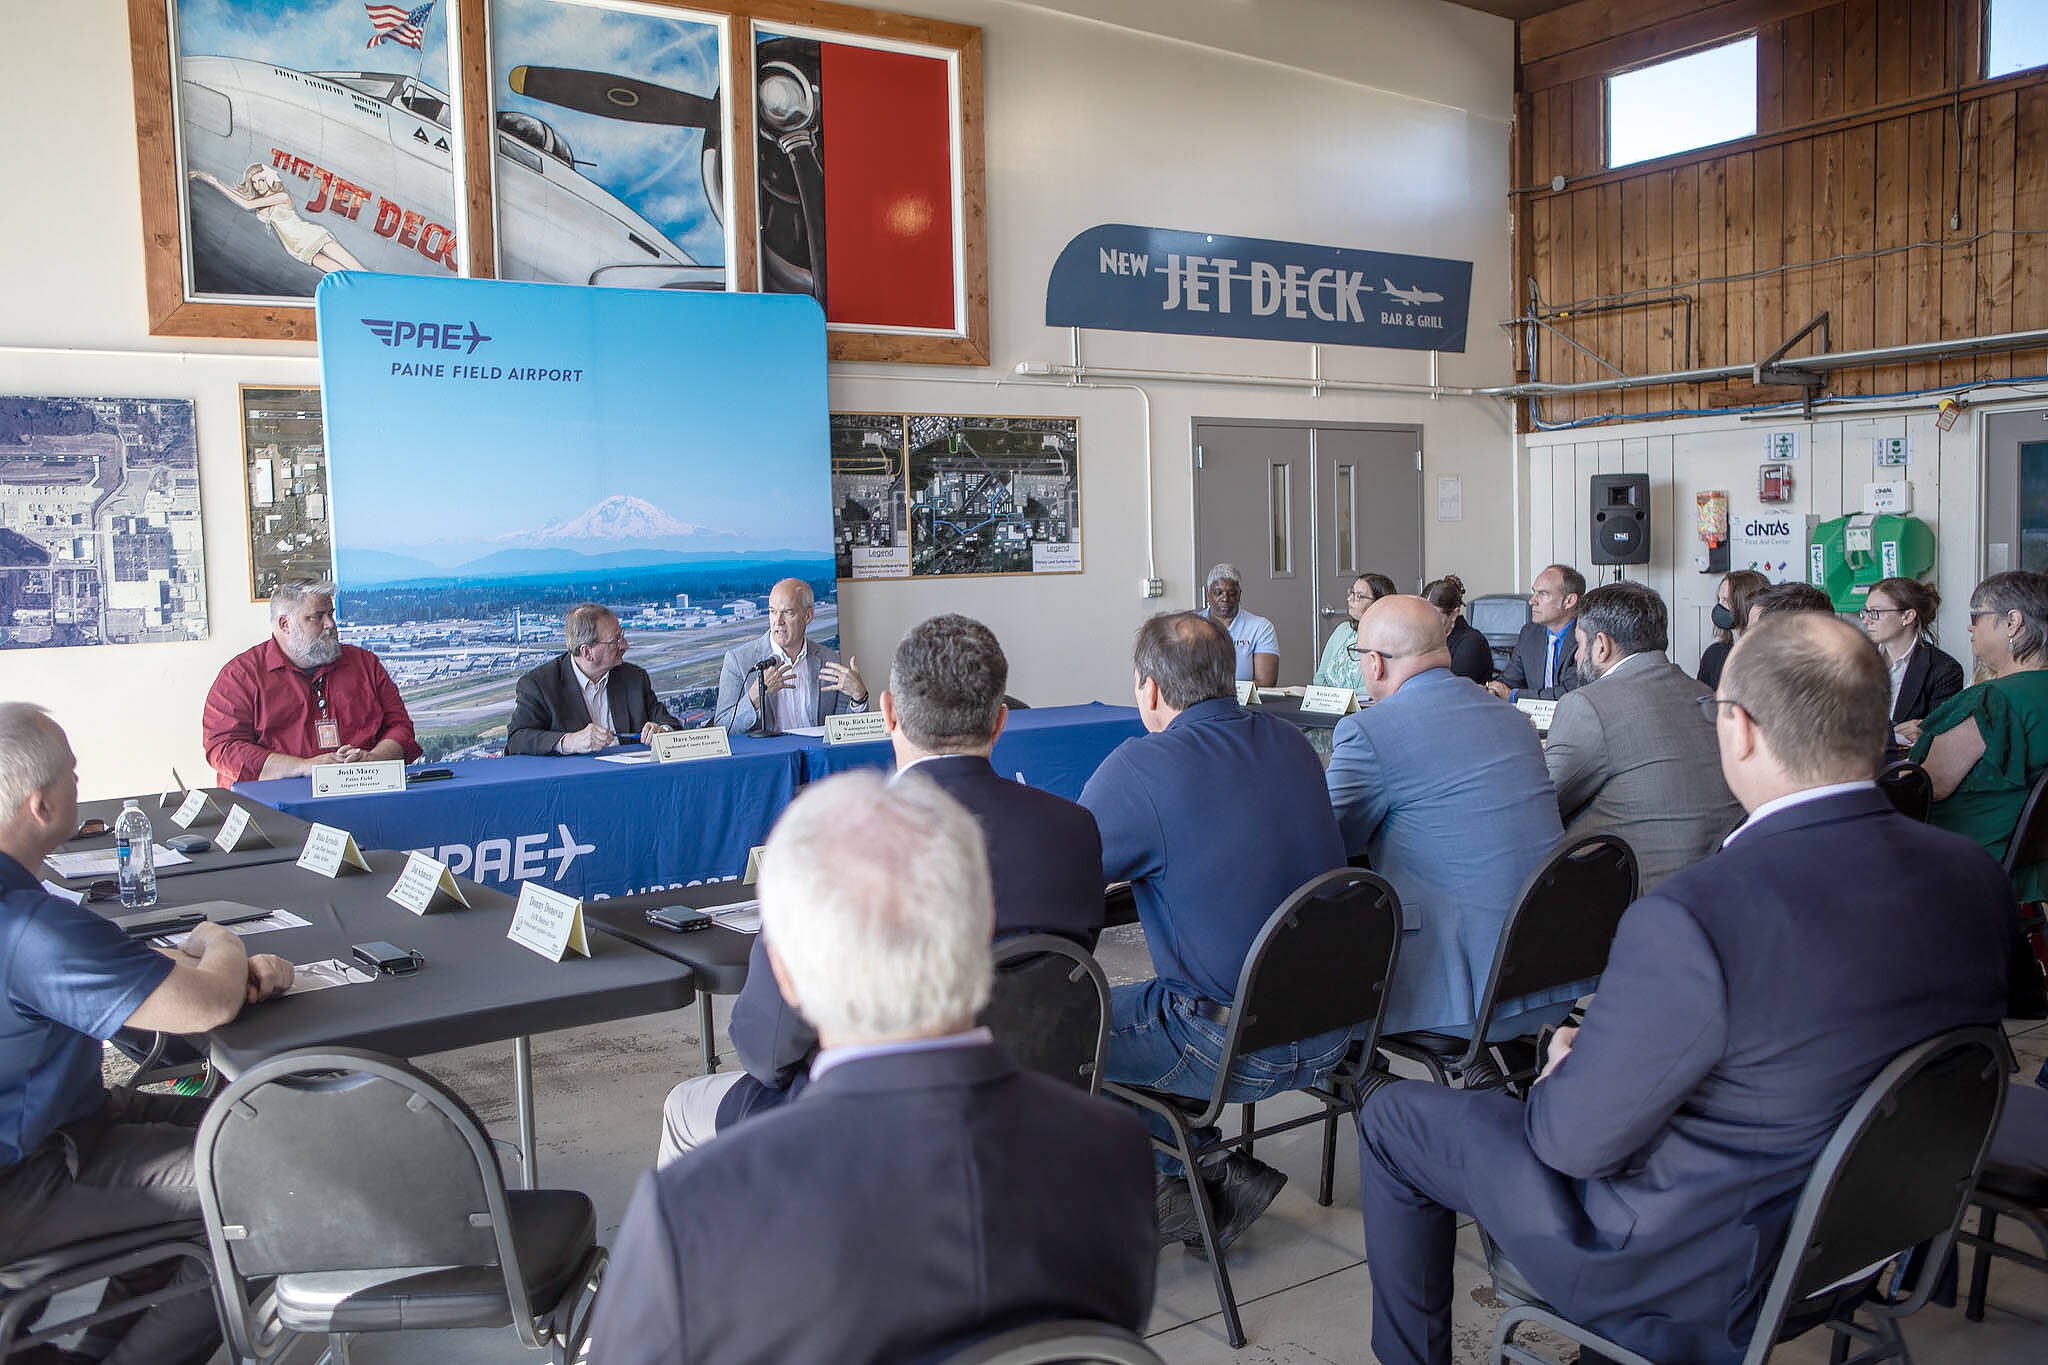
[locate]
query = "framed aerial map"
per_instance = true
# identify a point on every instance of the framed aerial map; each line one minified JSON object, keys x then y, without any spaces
{"x":100,"y":540}
{"x":925,"y":495}
{"x":286,"y":453}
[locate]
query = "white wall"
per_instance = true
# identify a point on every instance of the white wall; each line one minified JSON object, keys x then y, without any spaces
{"x":1688,"y":457}
{"x":1370,"y":123}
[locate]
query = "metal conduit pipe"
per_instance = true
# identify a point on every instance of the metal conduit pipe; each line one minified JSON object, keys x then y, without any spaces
{"x":1834,"y":360}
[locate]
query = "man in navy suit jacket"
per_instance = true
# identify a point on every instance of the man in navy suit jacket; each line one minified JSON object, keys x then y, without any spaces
{"x":1645,"y":1188}
{"x":1215,"y":817}
{"x":1544,"y":664}
{"x":587,"y":697}
{"x":944,"y":708}
{"x":923,"y":1191}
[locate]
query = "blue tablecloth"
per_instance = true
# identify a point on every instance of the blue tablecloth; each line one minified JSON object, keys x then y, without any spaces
{"x":582,"y":826}
{"x":591,"y":828}
{"x":1056,"y":748}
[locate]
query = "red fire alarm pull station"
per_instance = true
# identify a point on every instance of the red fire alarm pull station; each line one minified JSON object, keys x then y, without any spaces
{"x":1774,"y":483}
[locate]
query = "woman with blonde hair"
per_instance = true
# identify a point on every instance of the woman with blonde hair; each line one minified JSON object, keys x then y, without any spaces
{"x":262,"y":193}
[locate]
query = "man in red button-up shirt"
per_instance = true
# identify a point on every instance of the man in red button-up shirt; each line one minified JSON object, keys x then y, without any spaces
{"x":302,"y":697}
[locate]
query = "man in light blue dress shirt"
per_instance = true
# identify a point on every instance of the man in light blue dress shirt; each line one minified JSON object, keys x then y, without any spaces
{"x":1444,"y":788}
{"x":1258,"y":647}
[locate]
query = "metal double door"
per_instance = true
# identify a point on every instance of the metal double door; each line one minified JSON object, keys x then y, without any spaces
{"x":1302,"y":510}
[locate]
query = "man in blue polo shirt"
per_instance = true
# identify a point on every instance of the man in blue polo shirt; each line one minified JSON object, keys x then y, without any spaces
{"x":76,"y":1160}
{"x":1204,"y":892}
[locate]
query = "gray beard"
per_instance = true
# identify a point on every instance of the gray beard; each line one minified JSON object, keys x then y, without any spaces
{"x":314,"y":653}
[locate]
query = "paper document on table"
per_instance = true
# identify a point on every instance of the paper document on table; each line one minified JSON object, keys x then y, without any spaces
{"x":807,"y":731}
{"x":318,"y":976}
{"x":644,"y":756}
{"x":276,"y":919}
{"x":75,"y":897}
{"x":741,"y":916}
{"x":100,"y":862}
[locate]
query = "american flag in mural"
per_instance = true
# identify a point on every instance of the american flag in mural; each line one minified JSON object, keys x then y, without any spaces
{"x":400,"y":25}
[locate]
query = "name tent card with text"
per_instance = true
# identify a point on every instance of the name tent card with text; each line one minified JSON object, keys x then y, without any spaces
{"x":1247,"y":692}
{"x":1539,"y":710}
{"x":864,"y":727}
{"x":357,"y":779}
{"x":424,"y":884}
{"x":196,"y":803}
{"x":238,"y":832}
{"x":685,"y":746}
{"x":1329,"y":701}
{"x":328,"y":850}
{"x":548,"y":922}
{"x":753,"y":864}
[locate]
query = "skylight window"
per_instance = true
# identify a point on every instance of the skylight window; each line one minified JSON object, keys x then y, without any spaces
{"x":1692,"y":101}
{"x":2019,"y":37}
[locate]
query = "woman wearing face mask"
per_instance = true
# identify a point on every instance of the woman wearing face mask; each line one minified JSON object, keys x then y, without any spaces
{"x":1731,"y":618}
{"x":1898,"y":616}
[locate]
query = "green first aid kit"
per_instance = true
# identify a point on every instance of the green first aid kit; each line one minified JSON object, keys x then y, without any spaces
{"x":1850,"y":555}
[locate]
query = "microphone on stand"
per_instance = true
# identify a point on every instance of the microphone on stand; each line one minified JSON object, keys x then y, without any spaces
{"x":764,"y":715}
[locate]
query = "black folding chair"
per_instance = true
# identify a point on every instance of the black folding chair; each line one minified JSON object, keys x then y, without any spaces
{"x":1558,"y":933}
{"x":2018,"y":1196}
{"x":370,"y":1195}
{"x":2029,"y":847}
{"x":1895,"y":1176}
{"x":1050,"y":1008}
{"x":1051,"y":1343}
{"x":1909,"y":789}
{"x":1321,"y":963}
{"x":28,"y":1284}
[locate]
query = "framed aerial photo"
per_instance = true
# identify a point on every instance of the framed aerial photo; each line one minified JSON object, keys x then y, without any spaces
{"x":592,"y":142}
{"x":285,"y":450}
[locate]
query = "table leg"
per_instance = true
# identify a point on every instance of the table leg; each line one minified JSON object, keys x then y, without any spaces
{"x":704,"y":1032}
{"x":522,"y":1098}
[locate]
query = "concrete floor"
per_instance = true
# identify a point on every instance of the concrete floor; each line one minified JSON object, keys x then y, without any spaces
{"x":1303,"y":1285}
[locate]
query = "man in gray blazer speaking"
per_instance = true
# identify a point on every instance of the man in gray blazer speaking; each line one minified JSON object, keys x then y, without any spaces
{"x":1630,"y":752}
{"x":803,"y":681}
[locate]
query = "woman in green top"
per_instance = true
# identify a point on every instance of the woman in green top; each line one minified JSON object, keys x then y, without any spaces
{"x":1338,"y":668}
{"x":1985,"y":747}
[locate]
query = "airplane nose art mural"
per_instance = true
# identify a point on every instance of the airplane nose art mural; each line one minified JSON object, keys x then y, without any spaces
{"x":319,"y":136}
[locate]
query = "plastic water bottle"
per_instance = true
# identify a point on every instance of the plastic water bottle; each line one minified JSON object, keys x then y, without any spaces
{"x":135,"y":857}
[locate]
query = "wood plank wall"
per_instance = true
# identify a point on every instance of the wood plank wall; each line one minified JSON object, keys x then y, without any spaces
{"x":1878,"y":139}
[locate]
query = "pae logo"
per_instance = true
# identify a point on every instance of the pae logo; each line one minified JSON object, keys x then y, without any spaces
{"x":513,"y":860}
{"x":427,"y":336}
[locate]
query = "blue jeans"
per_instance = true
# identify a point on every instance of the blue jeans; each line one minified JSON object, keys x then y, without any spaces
{"x":1156,"y":1040}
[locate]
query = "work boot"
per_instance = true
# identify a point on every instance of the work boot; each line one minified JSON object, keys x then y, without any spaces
{"x":1173,"y":1204}
{"x":1240,"y":1189}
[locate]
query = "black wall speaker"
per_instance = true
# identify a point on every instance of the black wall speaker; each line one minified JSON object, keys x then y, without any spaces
{"x":1621,"y":518}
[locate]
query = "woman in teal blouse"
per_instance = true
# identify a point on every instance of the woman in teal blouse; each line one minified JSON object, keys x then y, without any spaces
{"x":1985,"y":747}
{"x":1338,"y":668}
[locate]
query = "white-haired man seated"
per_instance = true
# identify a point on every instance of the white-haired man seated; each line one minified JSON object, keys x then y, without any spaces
{"x":77,"y":1160}
{"x":302,"y":697}
{"x":800,"y":682}
{"x":922,"y":1190}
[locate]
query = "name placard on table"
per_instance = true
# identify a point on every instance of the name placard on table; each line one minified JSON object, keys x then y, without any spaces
{"x":238,"y":832}
{"x":686,"y":746}
{"x":358,"y":779}
{"x":196,"y":803}
{"x":548,"y":922}
{"x":1539,"y":710}
{"x":863,"y":727}
{"x":1247,"y":692}
{"x":1329,"y":701}
{"x":328,"y":850}
{"x":425,"y":883}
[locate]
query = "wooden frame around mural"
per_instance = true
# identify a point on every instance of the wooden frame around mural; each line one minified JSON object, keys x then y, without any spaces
{"x":173,"y":313}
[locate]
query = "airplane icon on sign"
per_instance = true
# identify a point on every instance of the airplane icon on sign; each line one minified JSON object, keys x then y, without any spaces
{"x":1415,"y":297}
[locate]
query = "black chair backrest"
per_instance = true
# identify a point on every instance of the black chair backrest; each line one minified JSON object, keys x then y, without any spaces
{"x":1895,"y":1175}
{"x":1909,"y":787}
{"x":2030,"y":836}
{"x":1562,"y":927}
{"x":338,"y":1159}
{"x":1322,"y":962}
{"x":1050,"y":1008}
{"x":1016,"y":703}
{"x":1049,"y":1343}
